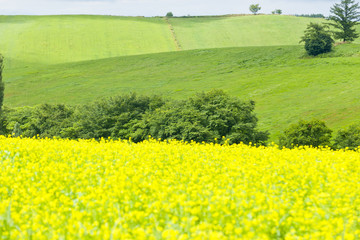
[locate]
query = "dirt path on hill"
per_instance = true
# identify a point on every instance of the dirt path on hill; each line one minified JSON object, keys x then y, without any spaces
{"x":176,"y":41}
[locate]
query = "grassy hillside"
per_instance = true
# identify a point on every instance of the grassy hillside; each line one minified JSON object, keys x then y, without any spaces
{"x":27,"y":40}
{"x":76,"y":59}
{"x":59,"y":39}
{"x":260,"y":30}
{"x":285,"y":85}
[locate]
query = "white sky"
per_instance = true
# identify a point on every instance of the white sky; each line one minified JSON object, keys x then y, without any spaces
{"x":160,"y":7}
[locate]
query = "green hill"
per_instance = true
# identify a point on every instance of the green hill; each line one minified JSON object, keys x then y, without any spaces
{"x":59,"y":39}
{"x":77,"y":59}
{"x":285,"y":85}
{"x":260,"y":30}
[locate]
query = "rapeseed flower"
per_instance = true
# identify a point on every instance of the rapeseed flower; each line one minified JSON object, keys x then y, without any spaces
{"x":87,"y":189}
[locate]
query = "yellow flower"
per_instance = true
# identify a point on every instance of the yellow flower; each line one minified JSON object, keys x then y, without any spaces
{"x":87,"y":189}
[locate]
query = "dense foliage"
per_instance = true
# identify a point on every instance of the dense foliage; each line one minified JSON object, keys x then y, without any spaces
{"x":317,"y":39}
{"x":2,"y":87}
{"x":204,"y":117}
{"x":306,"y":133}
{"x":45,"y":120}
{"x":111,"y":117}
{"x":348,"y":138}
{"x":345,"y":16}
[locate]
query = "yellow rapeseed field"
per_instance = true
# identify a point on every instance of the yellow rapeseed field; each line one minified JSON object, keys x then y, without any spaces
{"x":62,"y":189}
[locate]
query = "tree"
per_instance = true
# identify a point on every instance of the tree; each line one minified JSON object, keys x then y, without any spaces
{"x":111,"y":117}
{"x":345,"y":17}
{"x":277,"y":11}
{"x":306,"y":133}
{"x":202,"y":118}
{"x":2,"y":87}
{"x":254,"y":8}
{"x":169,"y":14}
{"x":317,"y":39}
{"x":348,"y":138}
{"x":46,"y":120}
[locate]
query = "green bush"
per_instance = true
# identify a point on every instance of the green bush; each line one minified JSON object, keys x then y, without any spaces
{"x":349,"y":138}
{"x":3,"y":123}
{"x":110,"y":117}
{"x":317,"y":39}
{"x":172,"y":121}
{"x":306,"y":133}
{"x":202,"y":118}
{"x":45,"y":120}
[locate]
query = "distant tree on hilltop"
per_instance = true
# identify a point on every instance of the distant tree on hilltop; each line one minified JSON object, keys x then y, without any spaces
{"x":277,"y":11}
{"x":314,"y":15}
{"x":254,"y":8}
{"x":169,"y":14}
{"x":345,"y":16}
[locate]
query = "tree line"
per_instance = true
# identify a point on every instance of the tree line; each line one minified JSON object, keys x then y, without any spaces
{"x":315,"y":133}
{"x":314,"y":15}
{"x":205,"y":117}
{"x":210,"y":117}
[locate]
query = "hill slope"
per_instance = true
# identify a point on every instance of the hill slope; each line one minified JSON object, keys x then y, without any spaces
{"x":59,"y":39}
{"x":259,"y":30}
{"x":285,"y":85}
{"x":45,"y":62}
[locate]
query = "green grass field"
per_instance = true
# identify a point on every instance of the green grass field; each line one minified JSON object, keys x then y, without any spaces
{"x":285,"y":85}
{"x":59,"y":39}
{"x":27,"y":40}
{"x":260,"y":30}
{"x":77,"y":59}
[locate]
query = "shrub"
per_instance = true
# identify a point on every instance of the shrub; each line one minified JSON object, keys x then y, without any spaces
{"x":204,"y":117}
{"x":45,"y":120}
{"x":110,"y":117}
{"x":3,"y":123}
{"x":317,"y":39}
{"x":349,"y":138}
{"x":306,"y":133}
